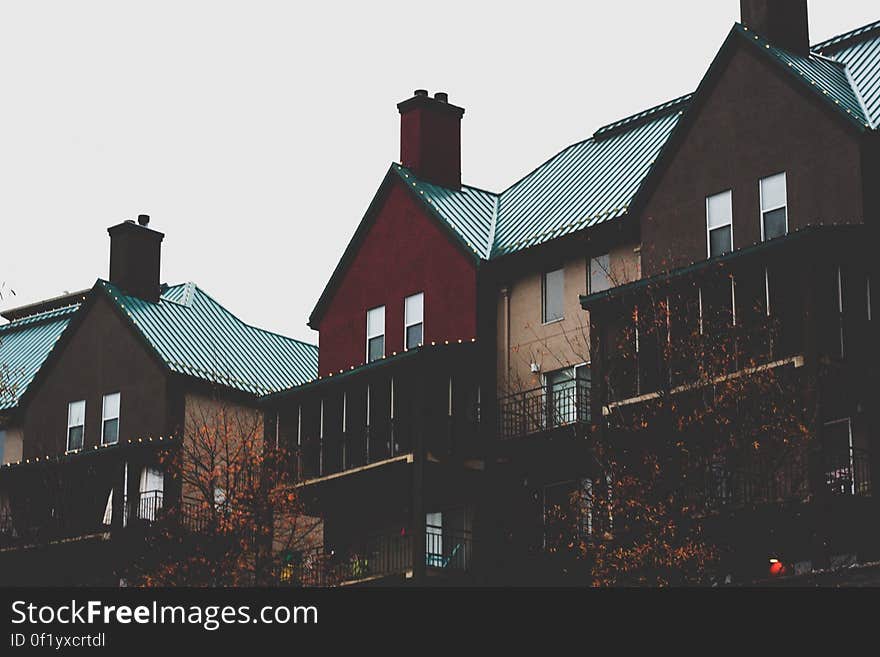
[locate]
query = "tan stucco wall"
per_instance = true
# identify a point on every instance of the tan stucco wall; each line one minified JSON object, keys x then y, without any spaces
{"x":524,"y":339}
{"x":206,"y":411}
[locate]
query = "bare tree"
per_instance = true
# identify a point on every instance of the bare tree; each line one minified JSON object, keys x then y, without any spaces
{"x":239,"y":517}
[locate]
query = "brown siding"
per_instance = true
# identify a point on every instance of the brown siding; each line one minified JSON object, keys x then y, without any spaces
{"x":754,"y":123}
{"x":102,"y":356}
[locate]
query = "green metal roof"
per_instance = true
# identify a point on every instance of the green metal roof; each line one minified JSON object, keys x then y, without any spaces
{"x":596,"y":180}
{"x":827,"y":77}
{"x":24,"y":346}
{"x":859,"y":50}
{"x":196,"y":336}
{"x":584,"y":185}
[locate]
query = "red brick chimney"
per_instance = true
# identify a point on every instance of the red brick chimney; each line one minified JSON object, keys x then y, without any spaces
{"x":783,"y":23}
{"x":430,"y":138}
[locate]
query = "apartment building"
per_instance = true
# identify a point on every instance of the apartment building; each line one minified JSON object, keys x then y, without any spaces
{"x":476,"y":346}
{"x":98,"y":385}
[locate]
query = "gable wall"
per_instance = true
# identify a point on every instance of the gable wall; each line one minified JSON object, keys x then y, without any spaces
{"x":404,"y":252}
{"x":102,"y":356}
{"x":756,"y":122}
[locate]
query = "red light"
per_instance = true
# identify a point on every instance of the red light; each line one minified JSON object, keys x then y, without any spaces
{"x":777,"y":568}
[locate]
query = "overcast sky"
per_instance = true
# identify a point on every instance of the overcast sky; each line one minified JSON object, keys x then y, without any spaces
{"x":255,"y":133}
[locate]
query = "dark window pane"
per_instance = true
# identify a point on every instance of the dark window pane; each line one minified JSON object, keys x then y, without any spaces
{"x":75,"y":438}
{"x":720,"y":241}
{"x":413,"y":336}
{"x":111,"y":431}
{"x":377,"y":348}
{"x":774,"y":224}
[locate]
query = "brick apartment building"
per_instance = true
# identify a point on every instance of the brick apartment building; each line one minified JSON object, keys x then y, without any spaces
{"x":475,"y":345}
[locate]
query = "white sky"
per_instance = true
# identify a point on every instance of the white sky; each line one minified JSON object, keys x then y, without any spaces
{"x":256,"y":133}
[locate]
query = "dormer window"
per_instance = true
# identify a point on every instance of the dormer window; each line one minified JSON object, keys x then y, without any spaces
{"x":719,"y":223}
{"x":774,"y":207}
{"x":375,"y":334}
{"x":76,"y":425}
{"x":414,"y":320}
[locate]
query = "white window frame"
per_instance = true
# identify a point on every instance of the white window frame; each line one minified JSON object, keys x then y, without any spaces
{"x":728,"y":192}
{"x":544,"y":320}
{"x":407,"y":321}
{"x":71,"y":426}
{"x":371,"y":337}
{"x":105,"y":417}
{"x":763,"y":211}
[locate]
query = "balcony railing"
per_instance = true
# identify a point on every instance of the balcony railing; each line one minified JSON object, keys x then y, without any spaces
{"x":378,"y":557}
{"x":317,"y":457}
{"x":846,"y":473}
{"x":543,"y":409}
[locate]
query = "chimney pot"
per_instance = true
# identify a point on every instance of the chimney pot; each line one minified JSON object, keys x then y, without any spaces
{"x":442,"y":96}
{"x":420,"y":92}
{"x":144,"y":219}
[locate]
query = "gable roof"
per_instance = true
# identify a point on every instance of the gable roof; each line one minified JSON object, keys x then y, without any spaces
{"x":25,"y":344}
{"x":596,"y":180}
{"x":187,"y":330}
{"x":193,"y":335}
{"x":602,"y":178}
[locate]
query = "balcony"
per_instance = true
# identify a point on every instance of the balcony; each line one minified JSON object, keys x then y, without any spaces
{"x":847,"y":473}
{"x":545,"y":409}
{"x":380,"y":557}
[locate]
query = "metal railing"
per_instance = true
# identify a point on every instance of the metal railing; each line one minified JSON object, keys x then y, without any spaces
{"x":718,"y":486}
{"x":317,"y":457}
{"x":543,"y":409}
{"x":377,"y":557}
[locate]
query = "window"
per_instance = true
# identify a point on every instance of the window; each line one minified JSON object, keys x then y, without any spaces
{"x":719,"y":223}
{"x":600,"y":274}
{"x":434,"y":539}
{"x":110,"y":420}
{"x":553,"y":293}
{"x":76,"y":424}
{"x":152,"y":491}
{"x":568,"y":395}
{"x":375,"y":334}
{"x":413,"y":322}
{"x":774,"y":210}
{"x":837,"y":445}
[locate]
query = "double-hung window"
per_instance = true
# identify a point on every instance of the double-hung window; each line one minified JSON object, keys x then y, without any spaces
{"x":774,"y":207}
{"x":553,"y":294}
{"x":110,"y":419}
{"x":76,"y":424}
{"x":414,"y":320}
{"x":375,"y":334}
{"x":719,"y":223}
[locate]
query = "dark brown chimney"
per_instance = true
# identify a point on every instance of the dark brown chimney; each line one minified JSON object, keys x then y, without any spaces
{"x":783,"y":23}
{"x":135,"y":252}
{"x":430,"y":138}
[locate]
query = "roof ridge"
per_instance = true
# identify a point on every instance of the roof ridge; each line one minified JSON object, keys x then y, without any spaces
{"x":644,"y":115}
{"x":30,"y":320}
{"x":244,"y":323}
{"x":847,"y":37}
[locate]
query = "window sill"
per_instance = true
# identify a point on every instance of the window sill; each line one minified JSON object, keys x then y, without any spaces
{"x":553,"y":321}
